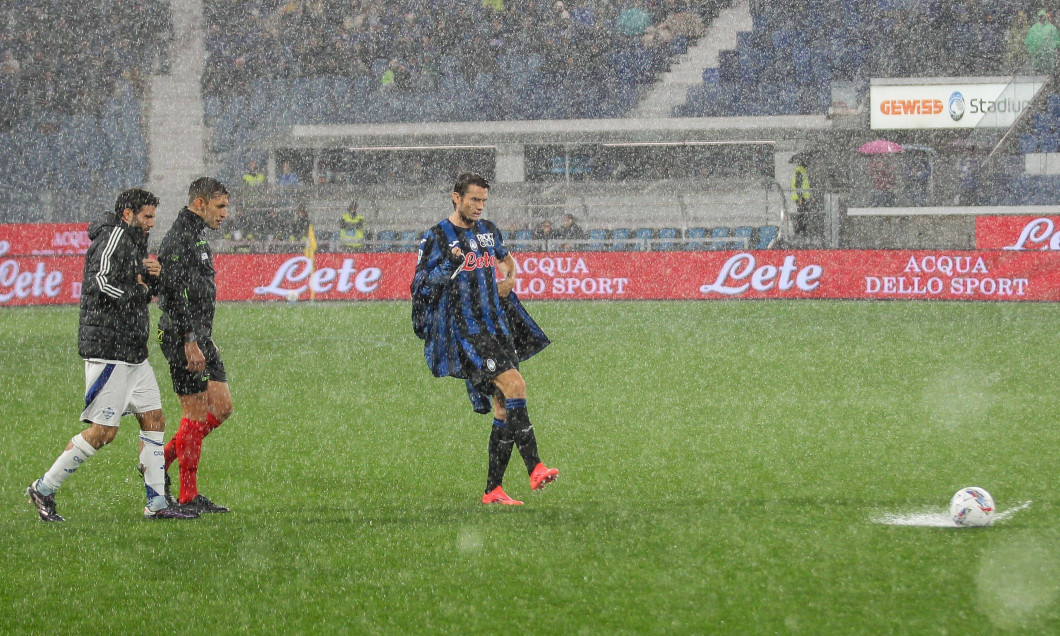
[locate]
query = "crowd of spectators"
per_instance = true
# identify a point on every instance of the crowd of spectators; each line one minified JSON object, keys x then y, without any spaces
{"x":402,"y":44}
{"x":62,"y":57}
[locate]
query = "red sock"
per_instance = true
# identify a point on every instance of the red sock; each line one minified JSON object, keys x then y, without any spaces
{"x":170,"y":449}
{"x":211,"y":423}
{"x":189,"y":449}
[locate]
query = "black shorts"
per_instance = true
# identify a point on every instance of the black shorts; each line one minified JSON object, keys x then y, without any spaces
{"x":185,"y":382}
{"x":489,"y":356}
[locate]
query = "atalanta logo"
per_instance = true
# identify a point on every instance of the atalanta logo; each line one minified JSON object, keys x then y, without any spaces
{"x":956,"y":106}
{"x":491,"y":364}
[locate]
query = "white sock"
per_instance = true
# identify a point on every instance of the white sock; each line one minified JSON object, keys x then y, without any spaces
{"x":65,"y":465}
{"x":153,"y":459}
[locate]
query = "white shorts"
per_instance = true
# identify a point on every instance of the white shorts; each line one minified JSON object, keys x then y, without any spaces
{"x":113,"y":389}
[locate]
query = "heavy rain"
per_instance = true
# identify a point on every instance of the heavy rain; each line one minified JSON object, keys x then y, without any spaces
{"x":498,"y":316}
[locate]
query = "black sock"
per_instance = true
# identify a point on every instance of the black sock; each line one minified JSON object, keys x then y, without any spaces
{"x":522,"y":431}
{"x":500,"y":451}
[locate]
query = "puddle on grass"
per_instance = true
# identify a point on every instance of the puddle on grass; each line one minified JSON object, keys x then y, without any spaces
{"x":939,"y":519}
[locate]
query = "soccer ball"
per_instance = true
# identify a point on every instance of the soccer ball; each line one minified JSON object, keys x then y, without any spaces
{"x":972,"y":507}
{"x":292,"y":296}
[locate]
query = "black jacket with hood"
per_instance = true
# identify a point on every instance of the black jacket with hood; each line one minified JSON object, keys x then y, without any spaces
{"x":115,"y":319}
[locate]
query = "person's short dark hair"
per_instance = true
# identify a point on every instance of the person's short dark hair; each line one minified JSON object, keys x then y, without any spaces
{"x":468,"y":179}
{"x":134,"y":199}
{"x":206,"y":188}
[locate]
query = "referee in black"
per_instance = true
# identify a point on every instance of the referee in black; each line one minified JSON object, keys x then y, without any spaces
{"x":185,"y":331}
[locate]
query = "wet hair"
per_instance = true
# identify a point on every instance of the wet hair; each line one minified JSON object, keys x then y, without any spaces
{"x":464,"y":181}
{"x":206,"y":188}
{"x":133,"y":199}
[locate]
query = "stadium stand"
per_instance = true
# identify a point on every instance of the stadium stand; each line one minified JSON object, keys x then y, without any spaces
{"x":273,"y":64}
{"x":72,"y":82}
{"x":785,"y":64}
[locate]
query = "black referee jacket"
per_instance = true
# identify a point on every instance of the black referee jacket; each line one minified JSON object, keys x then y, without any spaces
{"x":114,"y":320}
{"x":188,"y":293}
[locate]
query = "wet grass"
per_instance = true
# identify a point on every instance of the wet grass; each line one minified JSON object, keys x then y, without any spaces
{"x":722,"y":464}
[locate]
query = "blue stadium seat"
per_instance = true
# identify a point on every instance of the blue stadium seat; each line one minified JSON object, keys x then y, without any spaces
{"x":741,"y":232}
{"x":718,"y":232}
{"x":620,"y":239}
{"x":386,"y":240}
{"x":522,"y":239}
{"x":410,"y":240}
{"x":597,"y":239}
{"x":643,"y":236}
{"x":667,"y":237}
{"x":766,"y":235}
{"x":695,"y":233}
{"x":1049,"y":142}
{"x":1052,"y":105}
{"x":1028,"y":143}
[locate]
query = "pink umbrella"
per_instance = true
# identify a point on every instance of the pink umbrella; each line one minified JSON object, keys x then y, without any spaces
{"x":880,"y":147}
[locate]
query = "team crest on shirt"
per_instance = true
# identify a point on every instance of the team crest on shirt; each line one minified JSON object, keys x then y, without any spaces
{"x":491,"y":364}
{"x":205,"y":257}
{"x":473,"y":244}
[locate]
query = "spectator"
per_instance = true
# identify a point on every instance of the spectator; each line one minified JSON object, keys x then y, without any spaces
{"x":254,"y":177}
{"x":633,"y":20}
{"x":288,"y":177}
{"x":300,"y":225}
{"x":881,"y":173}
{"x":1015,"y":48}
{"x":1042,"y":41}
{"x":969,"y":184}
{"x":351,"y":229}
{"x":543,"y":235}
{"x":569,"y":231}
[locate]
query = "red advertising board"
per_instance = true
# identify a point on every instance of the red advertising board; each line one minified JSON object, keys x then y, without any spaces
{"x":1017,"y":232}
{"x":43,"y":239}
{"x":1008,"y":275}
{"x":42,"y":280}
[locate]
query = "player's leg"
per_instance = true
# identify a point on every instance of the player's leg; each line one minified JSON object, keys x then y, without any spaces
{"x":152,"y":462}
{"x":204,"y":413}
{"x":513,"y":387}
{"x":219,"y":404}
{"x":500,"y":452}
{"x":186,"y":445}
{"x":105,"y":400}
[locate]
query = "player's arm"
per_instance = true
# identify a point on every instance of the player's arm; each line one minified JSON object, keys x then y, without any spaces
{"x":104,"y":272}
{"x":507,"y":269}
{"x":438,"y":261}
{"x":505,"y":263}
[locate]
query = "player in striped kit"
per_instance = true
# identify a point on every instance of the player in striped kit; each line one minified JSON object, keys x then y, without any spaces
{"x":465,"y":317}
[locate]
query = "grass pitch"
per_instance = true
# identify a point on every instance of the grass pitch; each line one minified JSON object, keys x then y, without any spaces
{"x":722,"y":466}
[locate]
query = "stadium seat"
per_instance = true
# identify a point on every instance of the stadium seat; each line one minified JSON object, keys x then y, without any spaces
{"x":667,"y":236}
{"x":1028,"y":144}
{"x":597,"y":239}
{"x":409,"y":241}
{"x":522,"y":239}
{"x":695,"y":233}
{"x":643,"y":236}
{"x":766,"y":235}
{"x":718,"y":232}
{"x":741,"y":232}
{"x":385,"y":240}
{"x":620,"y":239}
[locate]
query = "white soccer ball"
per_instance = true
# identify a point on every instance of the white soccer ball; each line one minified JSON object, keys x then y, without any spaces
{"x":292,"y":296}
{"x":972,"y":507}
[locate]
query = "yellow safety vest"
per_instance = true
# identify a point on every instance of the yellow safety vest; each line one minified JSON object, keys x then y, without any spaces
{"x":351,"y":230}
{"x":800,"y":185}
